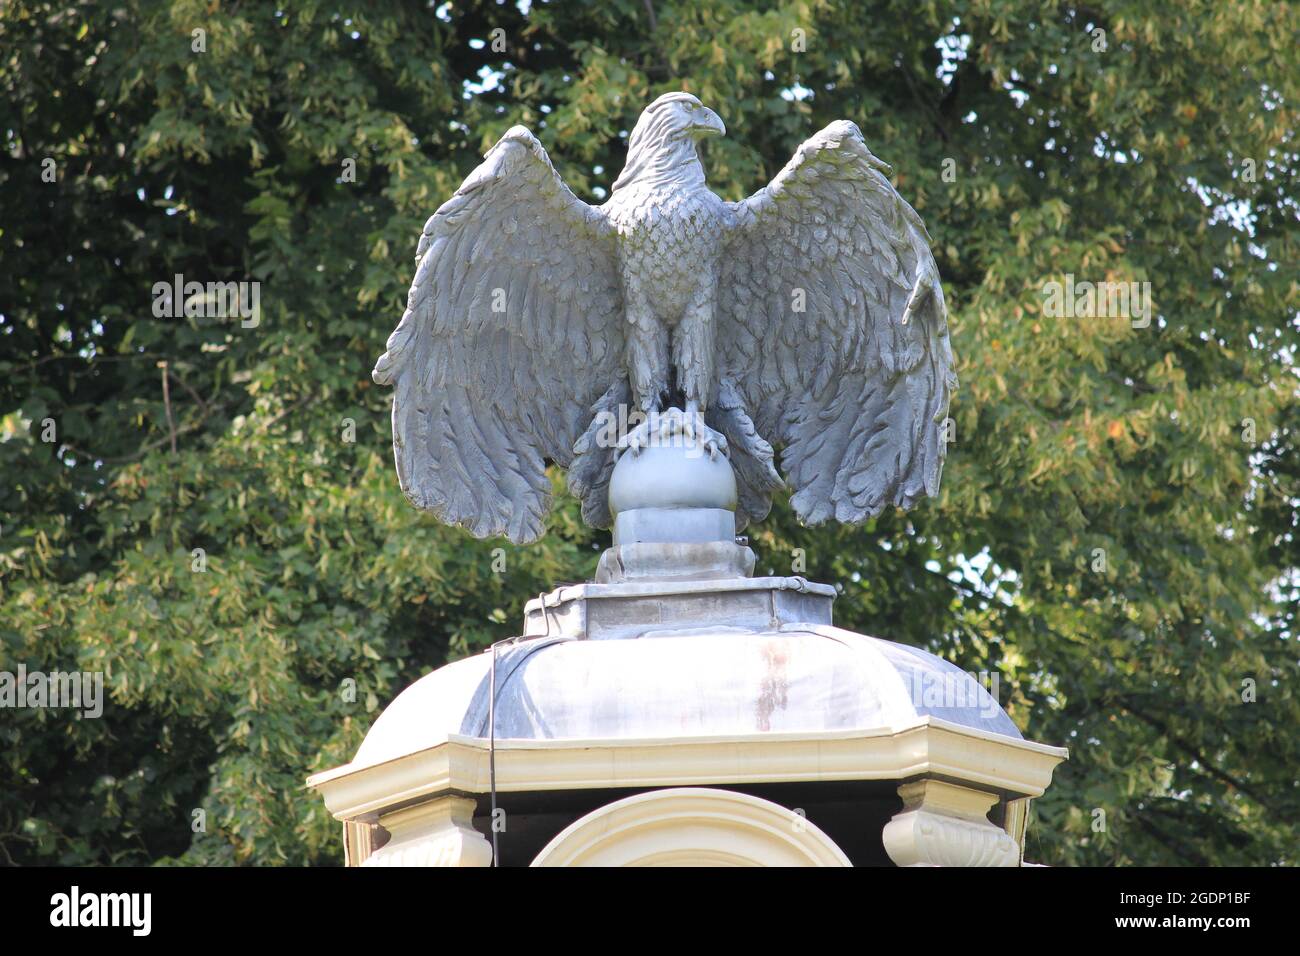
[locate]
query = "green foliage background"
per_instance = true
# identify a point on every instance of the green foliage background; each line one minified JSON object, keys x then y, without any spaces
{"x":1071,"y":434}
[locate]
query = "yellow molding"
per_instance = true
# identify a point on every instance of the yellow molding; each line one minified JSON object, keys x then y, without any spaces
{"x":931,"y":747}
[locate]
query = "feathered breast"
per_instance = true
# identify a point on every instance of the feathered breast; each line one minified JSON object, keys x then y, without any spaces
{"x":667,"y":240}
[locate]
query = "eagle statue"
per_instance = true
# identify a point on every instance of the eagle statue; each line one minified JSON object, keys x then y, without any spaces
{"x":807,"y":320}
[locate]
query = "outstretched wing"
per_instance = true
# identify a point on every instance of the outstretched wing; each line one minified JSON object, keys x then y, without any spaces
{"x":512,"y":331}
{"x":854,"y":387}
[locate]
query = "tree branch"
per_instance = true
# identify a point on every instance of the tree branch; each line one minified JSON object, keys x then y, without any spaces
{"x":1220,"y":775}
{"x":167,"y":406}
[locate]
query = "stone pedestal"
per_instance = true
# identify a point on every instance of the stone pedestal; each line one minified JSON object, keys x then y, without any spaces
{"x":678,"y":711}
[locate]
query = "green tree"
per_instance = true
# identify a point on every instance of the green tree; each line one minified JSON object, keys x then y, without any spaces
{"x":1116,"y":533}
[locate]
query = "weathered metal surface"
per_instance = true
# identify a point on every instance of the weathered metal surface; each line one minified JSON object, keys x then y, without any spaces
{"x":686,"y":682}
{"x":626,"y":610}
{"x":807,"y":319}
{"x":658,"y":659}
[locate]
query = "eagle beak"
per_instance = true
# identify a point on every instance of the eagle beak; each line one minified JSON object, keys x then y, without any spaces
{"x":708,"y":122}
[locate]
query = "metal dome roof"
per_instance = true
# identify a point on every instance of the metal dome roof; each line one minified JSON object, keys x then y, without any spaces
{"x":591,"y":680}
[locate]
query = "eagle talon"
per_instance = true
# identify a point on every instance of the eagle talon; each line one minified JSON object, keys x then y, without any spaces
{"x":647,"y":433}
{"x":701,"y":435}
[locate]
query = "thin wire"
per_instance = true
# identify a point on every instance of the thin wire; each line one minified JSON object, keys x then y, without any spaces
{"x":492,"y":750}
{"x":541,"y":599}
{"x":492,"y":727}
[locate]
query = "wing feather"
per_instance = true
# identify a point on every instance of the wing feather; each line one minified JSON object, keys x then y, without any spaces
{"x":511,"y":333}
{"x":854,"y":388}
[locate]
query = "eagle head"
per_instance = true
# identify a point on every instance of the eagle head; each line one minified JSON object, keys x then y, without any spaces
{"x":665,"y":135}
{"x":675,"y":116}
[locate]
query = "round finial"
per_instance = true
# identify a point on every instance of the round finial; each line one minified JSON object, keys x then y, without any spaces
{"x":672,"y":465}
